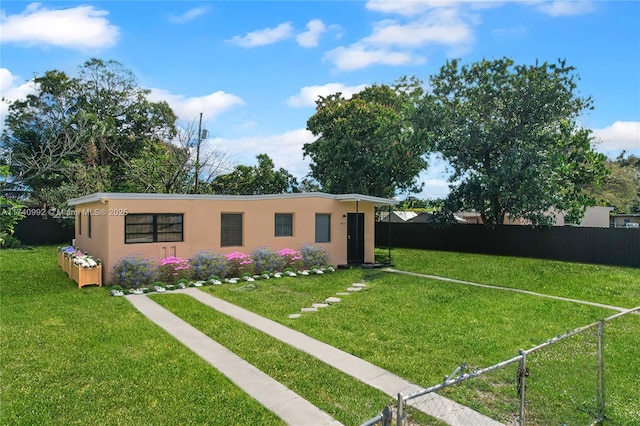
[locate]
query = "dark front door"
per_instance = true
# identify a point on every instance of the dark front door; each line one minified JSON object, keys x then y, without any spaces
{"x":355,"y":238}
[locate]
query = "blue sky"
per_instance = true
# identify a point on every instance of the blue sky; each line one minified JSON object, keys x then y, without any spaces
{"x":255,"y":68}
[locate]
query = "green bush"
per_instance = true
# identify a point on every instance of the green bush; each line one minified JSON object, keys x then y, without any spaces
{"x":206,"y":264}
{"x":267,"y":260}
{"x":134,"y":272}
{"x":174,"y":269}
{"x":314,"y":255}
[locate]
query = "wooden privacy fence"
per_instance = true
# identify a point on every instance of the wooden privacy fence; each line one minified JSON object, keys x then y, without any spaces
{"x":35,"y":230}
{"x":608,"y":246}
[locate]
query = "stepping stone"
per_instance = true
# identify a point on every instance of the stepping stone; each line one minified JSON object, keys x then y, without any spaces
{"x":354,"y":289}
{"x":292,"y":316}
{"x":358,"y":285}
{"x":342,"y":294}
{"x":332,"y":300}
{"x":309,"y":309}
{"x":320,"y":305}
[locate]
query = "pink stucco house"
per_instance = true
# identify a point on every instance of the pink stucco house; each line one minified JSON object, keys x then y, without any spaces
{"x":113,"y":225}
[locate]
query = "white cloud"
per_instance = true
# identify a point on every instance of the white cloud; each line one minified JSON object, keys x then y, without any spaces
{"x":309,"y":38}
{"x":308,"y":95}
{"x":566,"y":8}
{"x":12,"y":89}
{"x":264,"y":37}
{"x":284,"y":149}
{"x":81,"y":27}
{"x":189,"y":109}
{"x":358,"y":56}
{"x":189,"y":15}
{"x":442,"y":27}
{"x":412,"y":7}
{"x":620,"y":135}
{"x":397,"y":41}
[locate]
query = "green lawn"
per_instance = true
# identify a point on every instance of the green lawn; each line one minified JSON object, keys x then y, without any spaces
{"x":73,"y":356}
{"x":610,"y":285}
{"x":79,"y":356}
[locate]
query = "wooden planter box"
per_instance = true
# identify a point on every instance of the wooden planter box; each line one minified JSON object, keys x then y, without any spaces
{"x":86,"y":276}
{"x":67,"y":263}
{"x":60,"y":258}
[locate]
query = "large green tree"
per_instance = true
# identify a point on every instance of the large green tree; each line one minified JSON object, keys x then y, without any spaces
{"x":509,"y":132}
{"x":368,"y":144}
{"x":79,"y":135}
{"x":620,"y":189}
{"x":262,"y":178}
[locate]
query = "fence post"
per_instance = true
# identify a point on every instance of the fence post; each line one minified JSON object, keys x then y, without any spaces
{"x":600,"y":371}
{"x":400,"y":415}
{"x":387,"y":416}
{"x":522,"y":385}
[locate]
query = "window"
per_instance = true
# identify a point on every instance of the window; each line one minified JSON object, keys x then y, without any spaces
{"x":80,"y":224}
{"x":89,"y":225}
{"x":152,"y":228}
{"x":284,"y":225}
{"x":230,"y":229}
{"x":323,"y":228}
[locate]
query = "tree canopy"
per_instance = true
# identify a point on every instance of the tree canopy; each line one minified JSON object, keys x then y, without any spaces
{"x":99,"y":132}
{"x":509,"y":132}
{"x":262,"y":178}
{"x":620,"y":189}
{"x":84,"y":134}
{"x":367,"y":144}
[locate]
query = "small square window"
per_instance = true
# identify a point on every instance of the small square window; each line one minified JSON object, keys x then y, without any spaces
{"x":284,"y":225}
{"x":230,"y":229}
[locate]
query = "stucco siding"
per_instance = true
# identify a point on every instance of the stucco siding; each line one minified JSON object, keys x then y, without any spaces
{"x":202,"y":223}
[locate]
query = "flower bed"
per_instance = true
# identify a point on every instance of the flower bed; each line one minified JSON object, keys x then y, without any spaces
{"x":136,"y":275}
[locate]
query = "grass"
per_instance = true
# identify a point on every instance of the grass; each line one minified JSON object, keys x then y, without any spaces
{"x":73,"y":356}
{"x":79,"y":356}
{"x":611,"y":285}
{"x":346,"y":399}
{"x":422,"y":329}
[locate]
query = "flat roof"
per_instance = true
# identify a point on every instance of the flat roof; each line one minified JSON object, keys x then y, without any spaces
{"x":105,"y":196}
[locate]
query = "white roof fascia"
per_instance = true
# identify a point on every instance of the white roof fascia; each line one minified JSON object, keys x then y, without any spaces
{"x":105,"y":196}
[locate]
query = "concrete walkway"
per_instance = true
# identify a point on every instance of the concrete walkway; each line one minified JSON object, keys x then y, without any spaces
{"x":434,"y":405}
{"x":283,"y":402}
{"x":514,"y":290}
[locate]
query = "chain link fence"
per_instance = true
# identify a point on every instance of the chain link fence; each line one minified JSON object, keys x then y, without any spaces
{"x":561,"y":382}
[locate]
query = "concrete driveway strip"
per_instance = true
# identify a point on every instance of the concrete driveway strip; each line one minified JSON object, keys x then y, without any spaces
{"x":435,"y":405}
{"x":282,"y":401}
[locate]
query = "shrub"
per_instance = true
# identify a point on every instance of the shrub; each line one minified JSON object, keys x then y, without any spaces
{"x":134,"y":271}
{"x":174,"y":269}
{"x":206,"y":263}
{"x":314,"y":255}
{"x":267,"y":260}
{"x":292,"y":259}
{"x":11,"y":242}
{"x":239,"y":263}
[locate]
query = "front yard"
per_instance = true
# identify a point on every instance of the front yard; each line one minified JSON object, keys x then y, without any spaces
{"x":80,"y":356}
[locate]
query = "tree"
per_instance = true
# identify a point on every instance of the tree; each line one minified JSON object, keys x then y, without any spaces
{"x":620,"y":189}
{"x":367,"y":144}
{"x":11,"y":212}
{"x":510,"y":134}
{"x":259,"y":179}
{"x":80,"y":134}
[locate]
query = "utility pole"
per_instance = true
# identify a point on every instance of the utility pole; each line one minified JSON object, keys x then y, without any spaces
{"x":198,"y":154}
